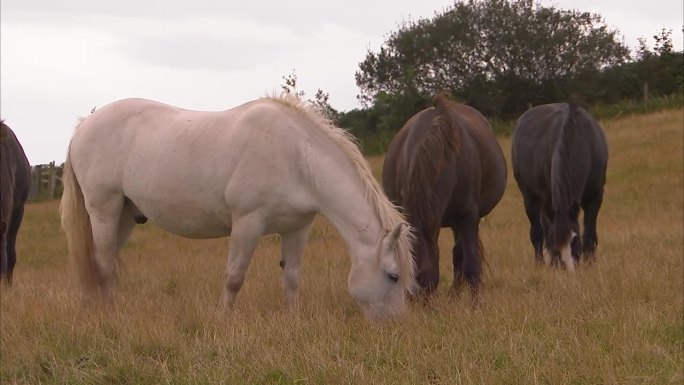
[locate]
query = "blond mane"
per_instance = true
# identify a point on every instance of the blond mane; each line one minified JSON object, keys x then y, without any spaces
{"x":388,"y":213}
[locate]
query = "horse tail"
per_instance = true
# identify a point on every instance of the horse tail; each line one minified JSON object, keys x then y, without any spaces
{"x":79,"y":233}
{"x":562,"y":197}
{"x":436,"y":150}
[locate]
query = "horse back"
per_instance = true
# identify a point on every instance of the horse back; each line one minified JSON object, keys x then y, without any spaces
{"x":480,"y":168}
{"x":425,"y":174}
{"x":174,"y":163}
{"x":563,"y":140}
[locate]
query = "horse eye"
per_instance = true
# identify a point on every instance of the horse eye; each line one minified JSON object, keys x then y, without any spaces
{"x":393,"y":277}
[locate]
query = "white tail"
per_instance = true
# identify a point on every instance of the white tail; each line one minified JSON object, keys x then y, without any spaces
{"x":76,"y":225}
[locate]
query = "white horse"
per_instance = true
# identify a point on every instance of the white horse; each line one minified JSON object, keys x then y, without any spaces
{"x":267,"y":166}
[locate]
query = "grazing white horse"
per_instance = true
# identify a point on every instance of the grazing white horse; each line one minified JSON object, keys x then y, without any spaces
{"x":267,"y":166}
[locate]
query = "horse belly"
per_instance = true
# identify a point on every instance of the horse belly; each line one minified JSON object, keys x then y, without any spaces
{"x":190,"y":217}
{"x":194,"y":225}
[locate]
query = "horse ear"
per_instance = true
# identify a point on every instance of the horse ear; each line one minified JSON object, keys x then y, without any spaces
{"x":393,"y":236}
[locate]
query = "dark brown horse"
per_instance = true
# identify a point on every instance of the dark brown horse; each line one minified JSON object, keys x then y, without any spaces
{"x":15,"y":183}
{"x":445,"y":168}
{"x":560,"y":156}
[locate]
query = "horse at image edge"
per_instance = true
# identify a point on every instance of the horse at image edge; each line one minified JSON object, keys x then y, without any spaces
{"x":15,"y":185}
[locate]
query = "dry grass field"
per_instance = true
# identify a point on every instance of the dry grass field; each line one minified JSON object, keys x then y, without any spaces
{"x":619,"y":321}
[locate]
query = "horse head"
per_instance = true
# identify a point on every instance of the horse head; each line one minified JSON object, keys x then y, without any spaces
{"x":379,"y":284}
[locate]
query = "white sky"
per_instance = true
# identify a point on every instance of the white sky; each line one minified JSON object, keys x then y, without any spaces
{"x":60,"y":58}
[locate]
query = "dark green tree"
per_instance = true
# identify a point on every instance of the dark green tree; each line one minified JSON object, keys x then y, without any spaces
{"x":497,"y":55}
{"x":660,"y":70}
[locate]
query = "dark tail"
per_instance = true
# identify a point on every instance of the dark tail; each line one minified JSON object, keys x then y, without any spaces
{"x":562,"y":196}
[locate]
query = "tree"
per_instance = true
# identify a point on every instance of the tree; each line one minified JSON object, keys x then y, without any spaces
{"x":663,"y":45}
{"x":498,"y":55}
{"x":661,"y":69}
{"x":321,"y":103}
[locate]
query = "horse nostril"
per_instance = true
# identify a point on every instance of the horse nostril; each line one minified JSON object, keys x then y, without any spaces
{"x":393,"y":277}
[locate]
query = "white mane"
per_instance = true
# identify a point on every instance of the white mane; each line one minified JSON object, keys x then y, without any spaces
{"x":387,"y":212}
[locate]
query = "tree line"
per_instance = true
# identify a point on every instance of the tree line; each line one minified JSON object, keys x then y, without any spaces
{"x":502,"y":57}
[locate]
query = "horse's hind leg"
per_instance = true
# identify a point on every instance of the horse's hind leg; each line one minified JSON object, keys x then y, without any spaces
{"x":550,"y":253}
{"x":457,"y":259}
{"x":590,"y":238}
{"x":292,"y":247}
{"x":243,"y":241}
{"x":105,"y":216}
{"x":533,"y":211}
{"x":17,"y":217}
{"x":470,"y":266}
{"x":126,"y":224}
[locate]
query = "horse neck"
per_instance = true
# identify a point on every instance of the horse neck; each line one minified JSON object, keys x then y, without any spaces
{"x":344,"y":203}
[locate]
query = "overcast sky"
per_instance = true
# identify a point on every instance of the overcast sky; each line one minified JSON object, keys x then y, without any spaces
{"x":61,"y":58}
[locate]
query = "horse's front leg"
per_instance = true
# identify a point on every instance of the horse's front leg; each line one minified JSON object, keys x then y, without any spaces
{"x":243,"y":241}
{"x":292,"y":247}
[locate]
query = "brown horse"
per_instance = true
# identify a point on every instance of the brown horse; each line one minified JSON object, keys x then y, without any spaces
{"x":15,"y":183}
{"x":445,"y":168}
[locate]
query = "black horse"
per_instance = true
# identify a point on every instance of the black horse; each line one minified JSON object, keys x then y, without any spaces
{"x":445,"y":168}
{"x":560,"y":156}
{"x":15,"y":184}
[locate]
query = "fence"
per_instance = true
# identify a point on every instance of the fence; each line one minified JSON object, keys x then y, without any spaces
{"x":46,"y":182}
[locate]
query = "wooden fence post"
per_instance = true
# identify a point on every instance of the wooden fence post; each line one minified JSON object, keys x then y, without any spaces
{"x":35,"y":177}
{"x":44,"y":181}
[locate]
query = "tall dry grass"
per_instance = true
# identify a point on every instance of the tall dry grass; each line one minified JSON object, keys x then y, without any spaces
{"x":619,"y":321}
